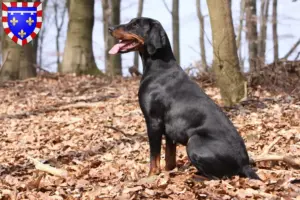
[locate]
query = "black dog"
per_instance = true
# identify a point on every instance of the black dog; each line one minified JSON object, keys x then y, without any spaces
{"x":174,"y":106}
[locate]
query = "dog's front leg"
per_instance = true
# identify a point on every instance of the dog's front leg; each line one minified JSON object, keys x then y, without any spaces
{"x":155,"y":131}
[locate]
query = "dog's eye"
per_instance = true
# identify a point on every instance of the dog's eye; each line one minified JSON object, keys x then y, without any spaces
{"x":134,"y":24}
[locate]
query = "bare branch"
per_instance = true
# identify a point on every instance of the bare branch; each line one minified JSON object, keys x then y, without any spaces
{"x":291,"y":50}
{"x":168,"y":9}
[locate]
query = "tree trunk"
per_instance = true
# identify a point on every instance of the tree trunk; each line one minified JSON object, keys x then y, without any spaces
{"x":175,"y":25}
{"x":264,"y":10}
{"x":251,"y":34}
{"x":41,"y":36}
{"x":17,"y":61}
{"x":240,"y":29}
{"x":136,"y":54}
{"x":226,"y":63}
{"x":274,"y":28}
{"x":115,"y":64}
{"x":58,"y":26}
{"x":201,"y":39}
{"x":239,"y":36}
{"x":78,"y":53}
{"x":105,"y":21}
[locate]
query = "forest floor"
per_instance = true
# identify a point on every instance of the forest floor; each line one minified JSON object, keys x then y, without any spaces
{"x":94,"y":129}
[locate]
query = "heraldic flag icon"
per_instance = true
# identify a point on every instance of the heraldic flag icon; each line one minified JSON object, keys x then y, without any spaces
{"x":22,"y":21}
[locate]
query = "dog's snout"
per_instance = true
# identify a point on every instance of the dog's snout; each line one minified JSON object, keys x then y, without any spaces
{"x":111,"y":29}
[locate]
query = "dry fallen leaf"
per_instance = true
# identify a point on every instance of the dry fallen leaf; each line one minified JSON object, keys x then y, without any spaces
{"x":93,"y":128}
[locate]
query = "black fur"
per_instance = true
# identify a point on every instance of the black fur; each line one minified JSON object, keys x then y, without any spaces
{"x":173,"y":105}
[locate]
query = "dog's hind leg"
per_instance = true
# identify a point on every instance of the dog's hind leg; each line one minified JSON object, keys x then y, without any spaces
{"x":170,"y":154}
{"x":202,"y":157}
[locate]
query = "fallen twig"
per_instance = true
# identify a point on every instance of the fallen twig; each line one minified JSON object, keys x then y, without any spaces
{"x":51,"y":109}
{"x":48,"y":109}
{"x":116,"y":129}
{"x":265,"y":156}
{"x":49,"y":169}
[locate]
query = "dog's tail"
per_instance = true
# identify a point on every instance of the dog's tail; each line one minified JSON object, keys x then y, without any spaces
{"x":247,"y":171}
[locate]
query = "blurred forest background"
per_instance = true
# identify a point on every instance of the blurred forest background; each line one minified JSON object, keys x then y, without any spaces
{"x":265,"y":30}
{"x":74,"y":39}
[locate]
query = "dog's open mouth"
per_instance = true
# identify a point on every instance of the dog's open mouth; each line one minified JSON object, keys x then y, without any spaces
{"x":124,"y":46}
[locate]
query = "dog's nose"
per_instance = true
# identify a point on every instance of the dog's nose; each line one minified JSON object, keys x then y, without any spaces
{"x":111,"y":29}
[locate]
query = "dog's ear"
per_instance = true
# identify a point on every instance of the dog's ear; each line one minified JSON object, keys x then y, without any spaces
{"x":157,"y":38}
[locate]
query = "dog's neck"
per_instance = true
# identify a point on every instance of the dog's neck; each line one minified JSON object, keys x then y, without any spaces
{"x":162,"y":55}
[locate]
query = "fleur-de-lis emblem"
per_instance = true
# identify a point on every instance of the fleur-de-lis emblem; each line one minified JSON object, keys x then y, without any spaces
{"x":14,"y":21}
{"x":22,"y":33}
{"x":29,"y":21}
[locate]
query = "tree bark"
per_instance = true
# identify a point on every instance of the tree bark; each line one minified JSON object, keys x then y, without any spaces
{"x":115,"y":64}
{"x":225,"y":62}
{"x":240,"y":29}
{"x":17,"y":61}
{"x":201,"y":38}
{"x":41,"y":36}
{"x":264,"y":10}
{"x":58,"y":26}
{"x":35,"y":42}
{"x":239,"y":36}
{"x":251,"y":34}
{"x":175,"y":25}
{"x":78,"y":53}
{"x":274,"y":30}
{"x":105,"y":21}
{"x":136,"y":54}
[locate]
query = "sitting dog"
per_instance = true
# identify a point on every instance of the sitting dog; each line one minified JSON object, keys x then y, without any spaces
{"x":174,"y":106}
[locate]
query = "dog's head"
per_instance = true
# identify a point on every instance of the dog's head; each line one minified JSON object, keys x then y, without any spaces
{"x":140,"y":34}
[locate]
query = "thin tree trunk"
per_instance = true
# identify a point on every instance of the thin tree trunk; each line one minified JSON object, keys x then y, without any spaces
{"x":40,"y":37}
{"x":175,"y":25}
{"x":105,"y":21}
{"x":201,"y":38}
{"x":58,"y":26}
{"x":241,"y":24}
{"x":40,"y":46}
{"x":239,"y":36}
{"x":251,"y":34}
{"x":136,"y":54}
{"x":35,"y":42}
{"x":115,"y":64}
{"x":78,"y":53}
{"x":274,"y":30}
{"x":229,"y":79}
{"x":264,"y":10}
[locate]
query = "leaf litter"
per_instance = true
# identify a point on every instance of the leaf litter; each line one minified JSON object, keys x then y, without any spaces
{"x":93,"y":129}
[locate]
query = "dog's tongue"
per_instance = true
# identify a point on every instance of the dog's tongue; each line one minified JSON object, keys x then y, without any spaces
{"x":116,"y":48}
